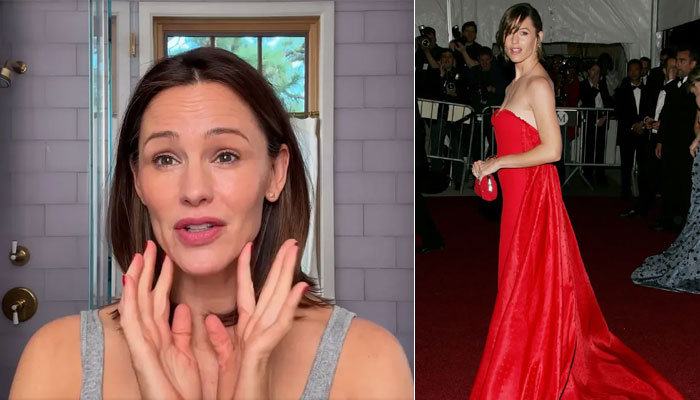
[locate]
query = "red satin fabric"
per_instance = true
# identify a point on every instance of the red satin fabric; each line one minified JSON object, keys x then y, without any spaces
{"x":547,"y":337}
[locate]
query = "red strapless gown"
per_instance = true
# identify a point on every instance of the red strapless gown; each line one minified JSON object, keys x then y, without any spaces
{"x":548,"y":338}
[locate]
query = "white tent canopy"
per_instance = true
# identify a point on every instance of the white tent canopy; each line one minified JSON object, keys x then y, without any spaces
{"x":629,"y":22}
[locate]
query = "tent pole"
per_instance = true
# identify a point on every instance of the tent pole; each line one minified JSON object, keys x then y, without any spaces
{"x":654,"y":46}
{"x":449,"y":21}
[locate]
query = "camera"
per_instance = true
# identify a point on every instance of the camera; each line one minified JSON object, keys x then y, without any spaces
{"x":455,"y":32}
{"x":451,"y":81}
{"x":424,"y":41}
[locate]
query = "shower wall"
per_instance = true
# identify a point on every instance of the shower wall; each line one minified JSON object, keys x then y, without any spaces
{"x":44,"y":164}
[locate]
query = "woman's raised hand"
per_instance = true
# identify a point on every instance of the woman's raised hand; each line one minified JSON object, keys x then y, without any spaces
{"x":243,"y":353}
{"x":162,"y":356}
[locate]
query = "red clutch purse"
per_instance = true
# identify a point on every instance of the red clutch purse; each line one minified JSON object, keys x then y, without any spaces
{"x":486,"y":188}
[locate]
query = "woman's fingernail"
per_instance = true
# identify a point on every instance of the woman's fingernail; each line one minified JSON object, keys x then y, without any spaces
{"x":124,"y":280}
{"x":306,"y":288}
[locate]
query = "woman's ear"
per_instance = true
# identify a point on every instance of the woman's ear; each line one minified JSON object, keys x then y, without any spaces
{"x":278,"y":178}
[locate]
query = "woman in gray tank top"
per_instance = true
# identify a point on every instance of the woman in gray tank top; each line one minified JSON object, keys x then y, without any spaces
{"x":210,"y":177}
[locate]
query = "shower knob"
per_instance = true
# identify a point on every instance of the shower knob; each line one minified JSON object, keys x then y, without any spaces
{"x":8,"y":69}
{"x":19,"y":304}
{"x":19,"y":255}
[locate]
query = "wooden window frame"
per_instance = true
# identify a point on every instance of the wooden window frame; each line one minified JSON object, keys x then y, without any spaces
{"x":263,"y":26}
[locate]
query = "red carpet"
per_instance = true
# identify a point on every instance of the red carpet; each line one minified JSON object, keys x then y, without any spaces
{"x":456,"y":289}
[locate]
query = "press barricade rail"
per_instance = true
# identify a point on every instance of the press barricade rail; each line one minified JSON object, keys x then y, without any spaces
{"x":450,"y":136}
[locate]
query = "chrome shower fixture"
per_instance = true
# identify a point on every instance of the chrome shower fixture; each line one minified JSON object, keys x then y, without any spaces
{"x":6,"y":73}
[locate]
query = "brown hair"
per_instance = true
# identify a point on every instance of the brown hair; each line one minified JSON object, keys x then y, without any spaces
{"x":288,"y":217}
{"x":511,"y":21}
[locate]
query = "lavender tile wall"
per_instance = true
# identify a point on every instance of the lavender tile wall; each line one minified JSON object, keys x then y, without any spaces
{"x":374,"y":162}
{"x":44,"y":120}
{"x":43,"y":172}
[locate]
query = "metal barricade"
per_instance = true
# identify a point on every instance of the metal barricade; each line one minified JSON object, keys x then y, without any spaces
{"x":589,"y":137}
{"x":446,"y":126}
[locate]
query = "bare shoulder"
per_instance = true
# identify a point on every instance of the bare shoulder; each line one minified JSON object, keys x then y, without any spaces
{"x":539,"y":82}
{"x":55,"y":344}
{"x":540,"y":92}
{"x":373,"y":364}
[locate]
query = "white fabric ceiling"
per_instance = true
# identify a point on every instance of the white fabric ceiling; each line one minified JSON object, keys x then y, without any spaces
{"x":591,"y":21}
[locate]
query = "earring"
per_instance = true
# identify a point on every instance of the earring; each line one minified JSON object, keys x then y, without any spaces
{"x":271,"y":196}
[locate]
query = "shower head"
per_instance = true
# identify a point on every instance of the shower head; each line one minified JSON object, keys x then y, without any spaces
{"x":7,"y":70}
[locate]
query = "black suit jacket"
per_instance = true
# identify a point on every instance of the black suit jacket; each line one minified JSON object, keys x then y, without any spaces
{"x":626,"y":109}
{"x":677,"y":119}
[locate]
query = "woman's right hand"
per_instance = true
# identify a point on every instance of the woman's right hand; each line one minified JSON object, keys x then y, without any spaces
{"x":694,"y":146}
{"x":476,"y":166}
{"x":162,"y":356}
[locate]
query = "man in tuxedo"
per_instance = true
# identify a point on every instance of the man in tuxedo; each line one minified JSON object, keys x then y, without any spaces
{"x":594,"y":94}
{"x":655,"y":80}
{"x":676,"y":132}
{"x":650,"y":168}
{"x":632,"y":105}
{"x":646,"y":65}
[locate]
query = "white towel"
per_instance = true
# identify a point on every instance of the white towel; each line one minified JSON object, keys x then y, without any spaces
{"x":305,"y":130}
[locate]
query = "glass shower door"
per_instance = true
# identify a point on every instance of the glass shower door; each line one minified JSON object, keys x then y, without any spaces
{"x":100,"y":112}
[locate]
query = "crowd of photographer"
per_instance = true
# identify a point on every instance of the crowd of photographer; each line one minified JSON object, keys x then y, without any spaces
{"x":464,"y":72}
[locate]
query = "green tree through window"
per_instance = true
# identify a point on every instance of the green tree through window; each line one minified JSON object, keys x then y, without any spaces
{"x":283,"y":60}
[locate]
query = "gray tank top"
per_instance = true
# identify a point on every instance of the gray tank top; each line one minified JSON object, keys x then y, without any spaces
{"x":318,"y":384}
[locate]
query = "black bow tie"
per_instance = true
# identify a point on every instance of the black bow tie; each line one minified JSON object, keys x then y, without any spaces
{"x":638,"y":87}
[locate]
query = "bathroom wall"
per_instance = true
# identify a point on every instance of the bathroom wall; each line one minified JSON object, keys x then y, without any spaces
{"x":44,"y":162}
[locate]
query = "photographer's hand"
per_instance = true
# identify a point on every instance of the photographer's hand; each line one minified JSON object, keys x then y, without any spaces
{"x":429,"y":57}
{"x":243,"y":355}
{"x":161,"y":356}
{"x":601,"y":121}
{"x":463,"y":49}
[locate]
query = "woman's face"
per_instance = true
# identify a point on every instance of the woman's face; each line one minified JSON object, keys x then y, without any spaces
{"x":203,"y":173}
{"x":521,"y":44}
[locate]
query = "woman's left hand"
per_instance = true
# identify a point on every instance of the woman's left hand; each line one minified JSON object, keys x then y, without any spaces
{"x":243,"y":355}
{"x":486,"y":167}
